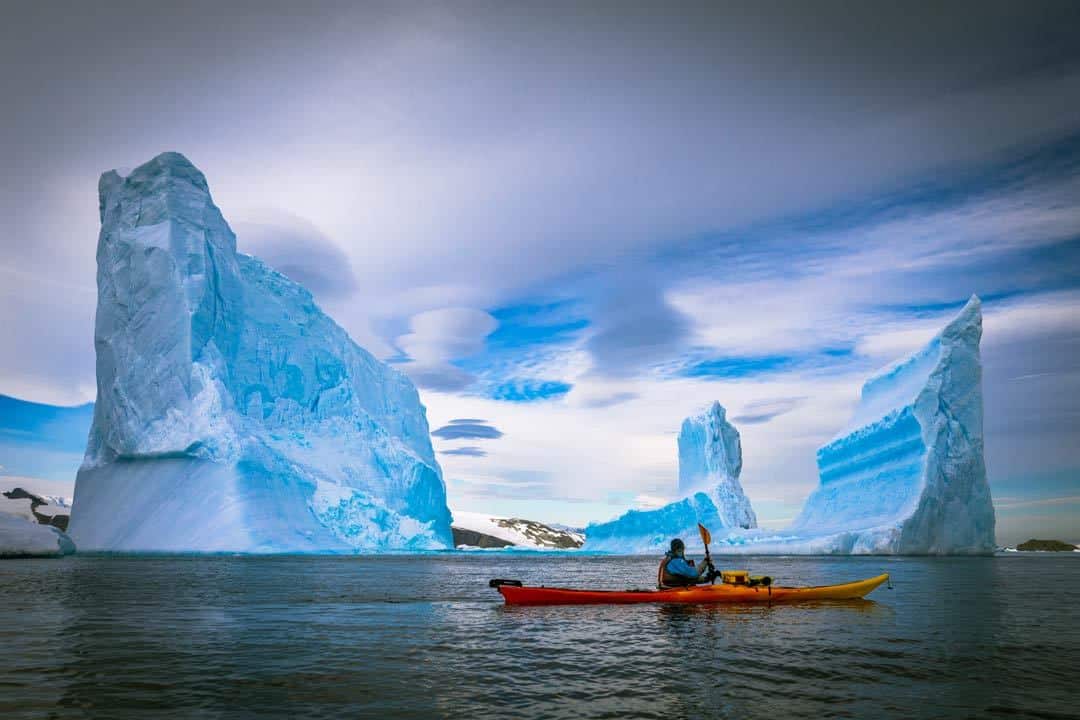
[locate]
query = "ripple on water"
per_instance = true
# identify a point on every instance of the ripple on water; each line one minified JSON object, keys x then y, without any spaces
{"x":424,"y":637}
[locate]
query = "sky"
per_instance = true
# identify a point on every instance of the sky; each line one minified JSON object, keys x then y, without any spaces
{"x":574,"y":224}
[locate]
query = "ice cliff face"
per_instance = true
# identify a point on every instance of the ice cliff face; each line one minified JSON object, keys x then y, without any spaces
{"x":645,"y":531}
{"x":232,"y":414}
{"x":907,"y":475}
{"x":710,"y":460}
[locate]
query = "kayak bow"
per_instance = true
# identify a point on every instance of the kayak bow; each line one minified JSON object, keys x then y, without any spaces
{"x":517,"y":594}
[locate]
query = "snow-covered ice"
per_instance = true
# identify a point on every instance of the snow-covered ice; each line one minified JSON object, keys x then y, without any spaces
{"x":20,"y":537}
{"x":232,"y":414}
{"x":56,"y":494}
{"x":710,"y":461}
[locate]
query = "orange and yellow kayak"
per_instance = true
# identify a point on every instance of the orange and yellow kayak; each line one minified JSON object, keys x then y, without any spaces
{"x":721,"y":593}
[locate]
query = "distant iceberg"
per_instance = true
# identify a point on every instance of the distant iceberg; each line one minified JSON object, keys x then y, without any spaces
{"x":710,"y":461}
{"x":232,"y":414}
{"x":906,"y":476}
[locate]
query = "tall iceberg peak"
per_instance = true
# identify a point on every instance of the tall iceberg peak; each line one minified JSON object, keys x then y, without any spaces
{"x":710,"y":460}
{"x":232,"y":414}
{"x":907,"y":475}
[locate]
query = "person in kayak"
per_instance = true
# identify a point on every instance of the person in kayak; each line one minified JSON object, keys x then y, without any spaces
{"x":676,"y":571}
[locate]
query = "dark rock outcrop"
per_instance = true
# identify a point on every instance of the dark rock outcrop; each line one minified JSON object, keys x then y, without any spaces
{"x":1046,"y":546}
{"x":476,"y":539}
{"x":57,"y":521}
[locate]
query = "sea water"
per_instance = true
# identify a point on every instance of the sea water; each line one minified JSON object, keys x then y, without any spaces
{"x":424,"y":637}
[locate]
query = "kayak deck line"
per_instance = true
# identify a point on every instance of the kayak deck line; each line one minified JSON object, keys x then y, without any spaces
{"x":514,"y":593}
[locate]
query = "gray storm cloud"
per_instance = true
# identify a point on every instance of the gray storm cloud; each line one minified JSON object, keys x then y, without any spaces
{"x":457,"y":153}
{"x":297,"y":249}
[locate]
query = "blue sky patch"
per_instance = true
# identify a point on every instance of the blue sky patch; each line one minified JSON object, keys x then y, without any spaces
{"x":735,"y":367}
{"x":529,"y":390}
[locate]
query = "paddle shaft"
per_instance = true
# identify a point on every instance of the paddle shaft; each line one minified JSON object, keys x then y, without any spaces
{"x":706,"y":536}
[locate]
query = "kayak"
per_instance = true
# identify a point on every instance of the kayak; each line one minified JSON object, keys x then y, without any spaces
{"x":516,"y":594}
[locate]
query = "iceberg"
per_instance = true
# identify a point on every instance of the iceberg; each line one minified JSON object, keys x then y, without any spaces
{"x":232,"y":415}
{"x":907,"y":475}
{"x":710,"y":461}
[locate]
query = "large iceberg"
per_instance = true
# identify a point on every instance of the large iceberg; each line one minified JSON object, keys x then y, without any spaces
{"x":906,"y":476}
{"x":232,"y":415}
{"x":710,"y":460}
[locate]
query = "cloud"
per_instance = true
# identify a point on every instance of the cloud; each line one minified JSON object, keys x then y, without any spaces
{"x":606,"y":401}
{"x":1010,"y":503}
{"x":297,"y":249}
{"x":466,"y":451}
{"x":634,"y":326}
{"x":467,"y":429}
{"x":439,"y":377}
{"x":660,"y":123}
{"x":762,"y":411}
{"x":650,"y":502}
{"x":514,"y":484}
{"x":438,"y":337}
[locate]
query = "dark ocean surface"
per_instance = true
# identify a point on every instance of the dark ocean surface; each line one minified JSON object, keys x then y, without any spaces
{"x":424,"y":637}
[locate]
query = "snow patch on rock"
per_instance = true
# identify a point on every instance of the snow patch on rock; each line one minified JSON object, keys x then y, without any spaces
{"x":519,"y":533}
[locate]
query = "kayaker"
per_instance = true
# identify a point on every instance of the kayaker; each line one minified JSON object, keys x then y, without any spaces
{"x":676,"y":571}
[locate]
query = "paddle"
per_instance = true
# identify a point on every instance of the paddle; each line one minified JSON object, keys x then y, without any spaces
{"x":706,"y":537}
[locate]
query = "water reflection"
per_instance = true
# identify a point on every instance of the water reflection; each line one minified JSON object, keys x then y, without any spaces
{"x":425,"y":637}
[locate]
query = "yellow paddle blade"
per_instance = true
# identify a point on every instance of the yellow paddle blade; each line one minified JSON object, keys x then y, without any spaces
{"x":705,"y":536}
